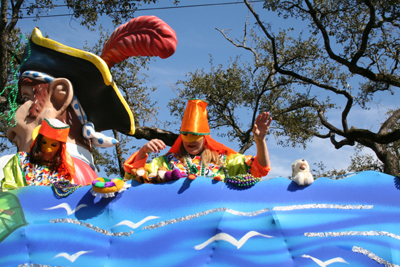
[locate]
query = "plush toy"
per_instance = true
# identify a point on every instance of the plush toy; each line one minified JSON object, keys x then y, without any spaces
{"x":162,"y":175}
{"x":301,"y":174}
{"x":161,"y":172}
{"x":158,"y":177}
{"x":140,"y":174}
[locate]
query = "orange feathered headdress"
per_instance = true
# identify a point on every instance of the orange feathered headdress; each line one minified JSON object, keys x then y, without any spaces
{"x":57,"y":130}
{"x":195,"y":122}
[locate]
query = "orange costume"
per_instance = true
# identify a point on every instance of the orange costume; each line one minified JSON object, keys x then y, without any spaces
{"x":195,"y":123}
{"x":20,"y":171}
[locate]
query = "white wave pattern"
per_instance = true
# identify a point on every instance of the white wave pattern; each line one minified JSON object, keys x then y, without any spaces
{"x":326,"y":263}
{"x":352,"y":233}
{"x":323,"y":206}
{"x":205,"y":213}
{"x":91,"y":226}
{"x":374,"y":257}
{"x":72,"y":257}
{"x":67,"y":208}
{"x":135,"y":225}
{"x":228,"y":238}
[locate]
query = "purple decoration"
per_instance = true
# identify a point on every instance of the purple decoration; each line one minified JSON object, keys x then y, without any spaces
{"x":167,"y":176}
{"x":109,"y":184}
{"x":176,"y":174}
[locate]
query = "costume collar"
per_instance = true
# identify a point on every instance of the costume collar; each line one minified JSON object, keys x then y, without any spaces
{"x":81,"y":153}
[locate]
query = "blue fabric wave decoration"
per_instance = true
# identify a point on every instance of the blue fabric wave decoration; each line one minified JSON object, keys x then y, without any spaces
{"x":348,"y":222}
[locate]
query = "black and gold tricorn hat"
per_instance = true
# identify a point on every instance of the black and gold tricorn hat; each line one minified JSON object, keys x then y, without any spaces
{"x":90,"y":77}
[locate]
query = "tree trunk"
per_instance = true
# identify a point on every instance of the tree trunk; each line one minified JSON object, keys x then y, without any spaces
{"x":3,"y":44}
{"x":118,"y":151}
{"x":391,"y":164}
{"x":248,"y":143}
{"x":390,"y":161}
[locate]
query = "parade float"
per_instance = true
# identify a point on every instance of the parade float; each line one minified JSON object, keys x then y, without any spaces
{"x":352,"y":221}
{"x":181,"y":222}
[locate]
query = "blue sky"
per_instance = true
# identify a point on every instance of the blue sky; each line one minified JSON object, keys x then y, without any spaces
{"x":197,"y":39}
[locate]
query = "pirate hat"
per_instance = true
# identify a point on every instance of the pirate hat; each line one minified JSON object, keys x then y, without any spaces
{"x":90,"y":77}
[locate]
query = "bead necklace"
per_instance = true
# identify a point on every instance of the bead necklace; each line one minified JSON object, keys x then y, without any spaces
{"x":240,"y":180}
{"x":64,"y":188}
{"x":243,"y":180}
{"x":216,"y":176}
{"x":41,"y":174}
{"x":10,"y":117}
{"x":192,"y":170}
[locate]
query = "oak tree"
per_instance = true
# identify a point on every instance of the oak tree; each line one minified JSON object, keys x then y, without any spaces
{"x":350,"y":52}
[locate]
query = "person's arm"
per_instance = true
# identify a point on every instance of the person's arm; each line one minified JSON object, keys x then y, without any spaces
{"x":260,"y":130}
{"x":139,"y":158}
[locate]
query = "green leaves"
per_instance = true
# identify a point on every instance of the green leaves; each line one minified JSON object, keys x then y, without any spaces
{"x":351,"y":49}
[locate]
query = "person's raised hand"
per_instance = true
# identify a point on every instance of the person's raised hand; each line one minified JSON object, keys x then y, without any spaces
{"x":261,"y":126}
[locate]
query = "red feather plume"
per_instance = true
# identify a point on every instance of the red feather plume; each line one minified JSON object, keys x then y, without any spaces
{"x":141,"y":36}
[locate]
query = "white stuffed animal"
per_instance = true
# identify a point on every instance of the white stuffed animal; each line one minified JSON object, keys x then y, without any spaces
{"x":301,"y":174}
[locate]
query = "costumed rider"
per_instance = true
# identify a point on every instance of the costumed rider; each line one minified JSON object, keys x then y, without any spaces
{"x":195,"y":153}
{"x":48,"y":160}
{"x":76,"y":87}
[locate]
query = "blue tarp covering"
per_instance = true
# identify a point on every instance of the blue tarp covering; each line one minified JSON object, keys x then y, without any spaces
{"x":353,"y":221}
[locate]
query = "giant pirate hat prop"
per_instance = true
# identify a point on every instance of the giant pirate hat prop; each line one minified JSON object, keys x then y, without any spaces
{"x":93,"y":85}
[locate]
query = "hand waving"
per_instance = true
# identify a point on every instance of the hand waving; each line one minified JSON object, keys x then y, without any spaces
{"x":261,"y":127}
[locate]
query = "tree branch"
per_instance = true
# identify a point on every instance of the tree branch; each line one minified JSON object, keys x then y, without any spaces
{"x":352,"y":66}
{"x":341,"y":143}
{"x":16,"y":58}
{"x":322,"y":136}
{"x":264,"y":30}
{"x":247,"y":145}
{"x":229,"y":118}
{"x":243,"y":45}
{"x":15,"y":12}
{"x":330,"y":127}
{"x":366,"y":32}
{"x":291,"y":73}
{"x":395,"y":117}
{"x":149,"y":133}
{"x":387,"y":138}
